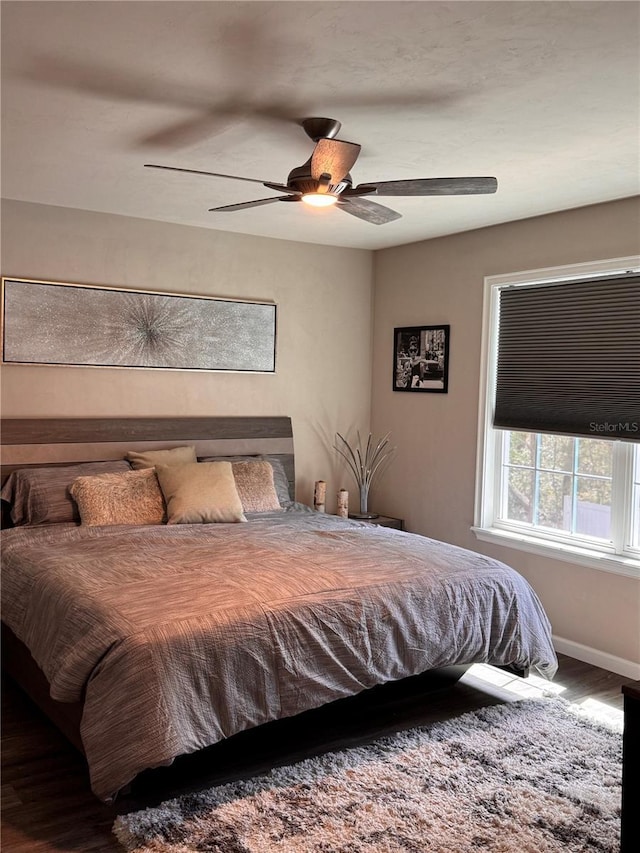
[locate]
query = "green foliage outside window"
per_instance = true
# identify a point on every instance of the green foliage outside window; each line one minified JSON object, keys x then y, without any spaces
{"x":556,"y":481}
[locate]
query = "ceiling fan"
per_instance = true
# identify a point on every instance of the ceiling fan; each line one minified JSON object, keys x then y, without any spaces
{"x":324,"y":180}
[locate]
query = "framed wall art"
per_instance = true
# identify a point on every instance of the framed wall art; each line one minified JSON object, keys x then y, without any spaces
{"x":55,"y":323}
{"x":421,"y":359}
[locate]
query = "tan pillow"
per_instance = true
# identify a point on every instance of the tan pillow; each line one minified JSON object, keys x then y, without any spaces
{"x":254,"y":482}
{"x":133,"y":497}
{"x":151,"y":458}
{"x":200,"y":492}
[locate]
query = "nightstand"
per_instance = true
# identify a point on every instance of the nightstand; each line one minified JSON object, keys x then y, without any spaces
{"x":383,"y":521}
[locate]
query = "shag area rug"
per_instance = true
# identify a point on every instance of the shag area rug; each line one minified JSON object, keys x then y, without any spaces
{"x":532,"y":776}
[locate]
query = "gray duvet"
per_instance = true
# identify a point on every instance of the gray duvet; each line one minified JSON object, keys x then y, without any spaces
{"x":180,"y":636}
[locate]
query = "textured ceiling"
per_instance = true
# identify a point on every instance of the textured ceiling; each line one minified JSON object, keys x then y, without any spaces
{"x":543,"y":95}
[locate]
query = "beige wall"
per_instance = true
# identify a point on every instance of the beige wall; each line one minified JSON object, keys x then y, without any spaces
{"x":324,"y":304}
{"x":431,"y":482}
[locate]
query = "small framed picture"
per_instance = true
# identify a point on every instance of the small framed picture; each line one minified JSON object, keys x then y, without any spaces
{"x":421,"y":359}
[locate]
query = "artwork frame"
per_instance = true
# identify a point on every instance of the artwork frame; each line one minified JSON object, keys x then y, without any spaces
{"x":421,"y":359}
{"x":87,"y":325}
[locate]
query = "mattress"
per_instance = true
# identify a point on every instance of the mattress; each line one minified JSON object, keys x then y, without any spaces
{"x":178,"y":636}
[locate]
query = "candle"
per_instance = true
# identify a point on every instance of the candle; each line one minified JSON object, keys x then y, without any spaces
{"x":343,"y":503}
{"x":319,"y":494}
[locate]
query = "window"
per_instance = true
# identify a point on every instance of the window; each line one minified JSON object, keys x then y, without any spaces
{"x":569,"y":496}
{"x":562,"y":489}
{"x":635,"y":522}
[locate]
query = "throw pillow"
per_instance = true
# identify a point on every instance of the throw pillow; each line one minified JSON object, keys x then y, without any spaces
{"x":151,"y":458}
{"x":133,"y":497}
{"x":254,"y":481}
{"x":200,"y":493}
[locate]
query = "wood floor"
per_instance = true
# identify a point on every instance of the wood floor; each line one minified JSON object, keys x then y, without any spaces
{"x":47,"y":804}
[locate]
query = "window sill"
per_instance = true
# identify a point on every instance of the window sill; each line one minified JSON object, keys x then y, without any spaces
{"x":612,"y":563}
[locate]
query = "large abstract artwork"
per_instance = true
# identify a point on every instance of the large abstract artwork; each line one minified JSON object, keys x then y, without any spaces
{"x":69,"y":324}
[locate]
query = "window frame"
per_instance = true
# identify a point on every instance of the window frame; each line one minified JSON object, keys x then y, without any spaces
{"x":618,"y":558}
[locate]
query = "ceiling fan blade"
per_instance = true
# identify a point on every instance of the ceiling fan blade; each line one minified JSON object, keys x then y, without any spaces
{"x":435,"y":186}
{"x":243,"y":205}
{"x":333,"y":157}
{"x":371,"y":212}
{"x":216,"y":175}
{"x":281,"y":188}
{"x":362,"y":189}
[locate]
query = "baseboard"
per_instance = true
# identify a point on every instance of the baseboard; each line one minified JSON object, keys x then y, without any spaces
{"x":595,"y":657}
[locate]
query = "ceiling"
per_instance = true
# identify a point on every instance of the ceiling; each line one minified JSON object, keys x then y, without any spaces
{"x":545,"y":96}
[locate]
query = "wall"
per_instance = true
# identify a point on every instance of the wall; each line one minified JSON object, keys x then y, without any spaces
{"x":431,"y":482}
{"x":324,"y":328}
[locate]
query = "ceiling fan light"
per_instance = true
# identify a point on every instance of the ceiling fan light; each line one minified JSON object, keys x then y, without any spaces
{"x":319,"y":199}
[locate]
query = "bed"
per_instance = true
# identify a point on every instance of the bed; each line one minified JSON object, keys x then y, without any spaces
{"x":144,"y":642}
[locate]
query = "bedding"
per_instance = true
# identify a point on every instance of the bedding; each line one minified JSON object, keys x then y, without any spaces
{"x":151,"y":458}
{"x":132,"y":497}
{"x":179,"y":636}
{"x":261,"y":481}
{"x":42,"y":495}
{"x":280,"y":481}
{"x":254,"y":482}
{"x":200,"y":493}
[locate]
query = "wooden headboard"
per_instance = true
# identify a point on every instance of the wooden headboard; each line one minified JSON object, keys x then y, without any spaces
{"x":34,"y":442}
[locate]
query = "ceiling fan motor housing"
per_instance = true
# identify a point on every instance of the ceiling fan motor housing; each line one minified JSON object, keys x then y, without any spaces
{"x":321,"y":128}
{"x":300,"y":179}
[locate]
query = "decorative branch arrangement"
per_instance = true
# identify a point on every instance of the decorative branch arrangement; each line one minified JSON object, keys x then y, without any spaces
{"x":365,"y":464}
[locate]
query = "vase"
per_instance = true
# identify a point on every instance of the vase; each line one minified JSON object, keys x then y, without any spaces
{"x":364,"y":504}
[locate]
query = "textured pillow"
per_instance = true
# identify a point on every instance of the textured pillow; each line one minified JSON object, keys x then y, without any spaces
{"x":41,"y":495}
{"x":130,"y":498}
{"x":254,"y":482}
{"x":151,"y":458}
{"x":200,"y":492}
{"x":280,"y":479}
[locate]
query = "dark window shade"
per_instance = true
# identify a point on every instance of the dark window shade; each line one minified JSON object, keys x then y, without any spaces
{"x":569,"y":358}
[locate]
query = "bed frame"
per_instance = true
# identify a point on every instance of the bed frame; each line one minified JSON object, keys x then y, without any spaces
{"x":30,"y":442}
{"x":34,"y":442}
